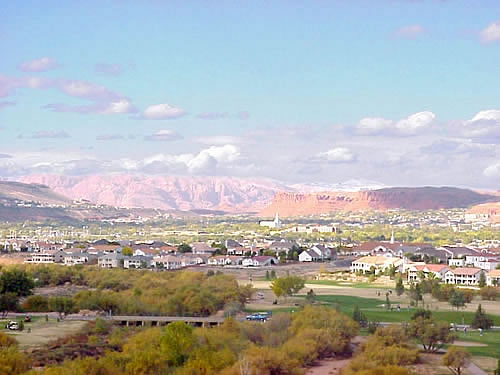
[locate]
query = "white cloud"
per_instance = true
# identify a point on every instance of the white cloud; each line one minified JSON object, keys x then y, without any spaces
{"x":416,"y":121}
{"x":491,"y":33}
{"x":370,"y":125}
{"x":121,"y":106}
{"x":407,"y":126}
{"x":164,"y":135}
{"x":484,"y":126}
{"x":162,"y":111}
{"x":492,"y":170}
{"x":409,"y":31}
{"x":337,"y":155}
{"x":38,"y":65}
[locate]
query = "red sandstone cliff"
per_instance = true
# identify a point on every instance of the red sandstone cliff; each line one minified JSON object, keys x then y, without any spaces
{"x":298,"y":204}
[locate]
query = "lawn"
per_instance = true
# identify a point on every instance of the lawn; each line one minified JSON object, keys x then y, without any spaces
{"x":374,"y":310}
{"x":489,"y":338}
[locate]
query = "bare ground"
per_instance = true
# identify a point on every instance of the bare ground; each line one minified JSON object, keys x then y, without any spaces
{"x":43,"y":332}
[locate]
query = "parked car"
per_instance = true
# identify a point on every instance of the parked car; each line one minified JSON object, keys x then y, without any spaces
{"x":260,"y":316}
{"x":12,"y":325}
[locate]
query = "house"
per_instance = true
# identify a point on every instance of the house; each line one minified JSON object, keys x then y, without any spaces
{"x":46,"y":256}
{"x":375,"y":248}
{"x":376,"y":264}
{"x":138,"y":261}
{"x":111,"y":260}
{"x":309,"y":256}
{"x":259,"y":261}
{"x":78,"y":258}
{"x":234,"y":247}
{"x":202,"y":248}
{"x":493,"y":278}
{"x":437,"y":271}
{"x":484,"y":261}
{"x":456,"y":262}
{"x":167,"y":262}
{"x":219,"y":260}
{"x":457,"y":252}
{"x":463,"y":276}
{"x":281,"y":246}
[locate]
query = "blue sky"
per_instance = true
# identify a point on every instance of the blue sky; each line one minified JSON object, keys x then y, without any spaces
{"x":394,"y":92}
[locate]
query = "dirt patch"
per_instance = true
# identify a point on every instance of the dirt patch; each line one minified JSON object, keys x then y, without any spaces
{"x":328,"y":367}
{"x":467,"y":343}
{"x":41,"y":332}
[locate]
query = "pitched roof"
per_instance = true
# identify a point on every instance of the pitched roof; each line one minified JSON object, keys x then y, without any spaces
{"x":465,"y":270}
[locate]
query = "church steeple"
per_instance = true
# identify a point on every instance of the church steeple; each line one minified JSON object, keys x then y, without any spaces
{"x":392,"y":237}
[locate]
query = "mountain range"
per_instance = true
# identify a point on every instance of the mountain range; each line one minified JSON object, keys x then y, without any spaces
{"x":238,"y":195}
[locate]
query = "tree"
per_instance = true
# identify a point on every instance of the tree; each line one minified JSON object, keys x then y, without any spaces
{"x":456,"y":359}
{"x":482,"y":280}
{"x":400,"y":288}
{"x":127,"y":251}
{"x":488,"y":293}
{"x":481,"y":320}
{"x":61,"y":305}
{"x":8,"y":302}
{"x":311,"y":296}
{"x":286,"y":286}
{"x":358,"y":316}
{"x":176,"y":342}
{"x":387,"y":301}
{"x":457,"y":299}
{"x":432,"y":335}
{"x":184,"y":248}
{"x":415,"y":293}
{"x":16,"y":281}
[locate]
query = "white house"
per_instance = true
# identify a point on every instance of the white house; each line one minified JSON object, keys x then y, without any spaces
{"x":437,"y":271}
{"x":463,"y":276}
{"x":493,"y":278}
{"x":309,"y":256}
{"x":378,"y":264}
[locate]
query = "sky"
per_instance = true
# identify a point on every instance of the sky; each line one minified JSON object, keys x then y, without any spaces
{"x":396,"y":93}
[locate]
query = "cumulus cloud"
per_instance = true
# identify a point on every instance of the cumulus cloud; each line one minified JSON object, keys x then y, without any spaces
{"x":491,"y":33}
{"x":337,"y":155}
{"x":484,"y":126}
{"x":5,"y":156}
{"x":164,"y":135}
{"x":492,"y":171}
{"x":38,"y":65}
{"x":102,"y":100}
{"x":162,"y":112}
{"x":409,"y":31}
{"x":108,"y":69}
{"x":404,"y":127}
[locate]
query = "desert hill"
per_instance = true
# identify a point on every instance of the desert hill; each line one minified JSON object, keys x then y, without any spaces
{"x":418,"y":198}
{"x":226,"y":194}
{"x":11,"y":190}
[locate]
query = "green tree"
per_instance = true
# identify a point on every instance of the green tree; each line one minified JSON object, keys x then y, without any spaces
{"x":16,"y":281}
{"x":8,"y":302}
{"x":482,"y":280}
{"x":61,"y":305}
{"x":184,"y":248}
{"x":358,"y":316}
{"x":127,"y":251}
{"x":456,"y":359}
{"x":400,"y":288}
{"x":415,"y":293}
{"x":311,"y":296}
{"x":457,"y":299}
{"x":287,"y":286}
{"x":481,"y":320}
{"x":432,"y":335}
{"x":176,"y":342}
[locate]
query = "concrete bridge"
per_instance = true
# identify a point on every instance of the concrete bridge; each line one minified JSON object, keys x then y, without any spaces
{"x":127,"y":320}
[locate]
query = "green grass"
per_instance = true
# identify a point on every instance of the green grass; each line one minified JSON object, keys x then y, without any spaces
{"x":490,"y":338}
{"x":347,"y":283}
{"x":374,"y":310}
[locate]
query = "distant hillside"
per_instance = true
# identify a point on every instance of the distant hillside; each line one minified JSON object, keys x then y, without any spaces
{"x":418,"y":198}
{"x":166,"y":192}
{"x":33,"y":192}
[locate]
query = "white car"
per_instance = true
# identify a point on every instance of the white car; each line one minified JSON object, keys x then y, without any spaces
{"x":12,"y":325}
